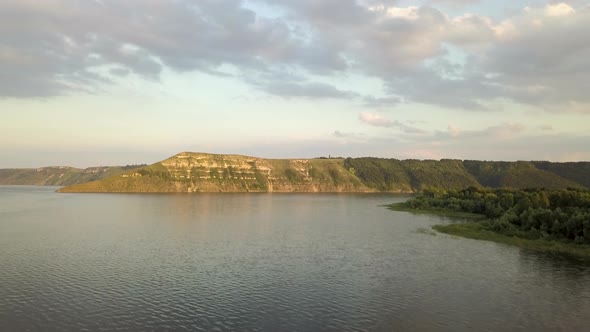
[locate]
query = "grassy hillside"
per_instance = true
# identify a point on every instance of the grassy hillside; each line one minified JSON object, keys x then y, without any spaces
{"x":446,"y":173}
{"x":520,"y":175}
{"x":410,"y":175}
{"x":578,"y":172}
{"x":200,"y":172}
{"x":381,"y":174}
{"x":58,"y":176}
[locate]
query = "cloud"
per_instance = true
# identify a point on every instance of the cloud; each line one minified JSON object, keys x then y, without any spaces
{"x":556,"y":147}
{"x":349,"y":135}
{"x":312,"y":90}
{"x":421,"y":54}
{"x":540,"y":60}
{"x":546,"y":128}
{"x":55,"y":46}
{"x":455,"y":3}
{"x":470,"y":92}
{"x":496,"y":132}
{"x":559,"y":9}
{"x":466,"y":62}
{"x":454,"y":131}
{"x":338,"y":133}
{"x":377,"y":102}
{"x":503,"y":131}
{"x":377,"y":120}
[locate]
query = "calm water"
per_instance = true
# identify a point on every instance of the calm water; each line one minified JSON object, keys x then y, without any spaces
{"x":263,"y":262}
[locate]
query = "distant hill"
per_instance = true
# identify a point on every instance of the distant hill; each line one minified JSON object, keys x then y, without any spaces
{"x":410,"y":175}
{"x":203,"y":172}
{"x":578,"y":172}
{"x":59,"y":175}
{"x":520,"y":175}
{"x":200,"y":172}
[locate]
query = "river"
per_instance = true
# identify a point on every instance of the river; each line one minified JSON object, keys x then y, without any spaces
{"x":265,"y":262}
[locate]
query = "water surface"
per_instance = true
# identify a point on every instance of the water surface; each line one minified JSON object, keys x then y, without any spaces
{"x":265,"y":262}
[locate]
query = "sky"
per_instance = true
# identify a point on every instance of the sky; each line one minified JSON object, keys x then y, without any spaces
{"x":110,"y":82}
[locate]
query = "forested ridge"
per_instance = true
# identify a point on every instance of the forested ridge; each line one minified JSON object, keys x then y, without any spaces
{"x":418,"y":175}
{"x":59,"y":175}
{"x":198,"y":172}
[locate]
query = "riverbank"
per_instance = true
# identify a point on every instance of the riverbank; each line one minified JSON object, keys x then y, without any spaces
{"x":403,"y":207}
{"x":477,"y":231}
{"x":471,"y":226}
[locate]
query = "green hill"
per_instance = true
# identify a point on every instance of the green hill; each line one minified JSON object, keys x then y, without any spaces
{"x":199,"y":172}
{"x":58,"y":176}
{"x":202,"y":172}
{"x":410,"y":175}
{"x":578,"y":172}
{"x":446,"y":173}
{"x":520,"y":175}
{"x":381,"y":174}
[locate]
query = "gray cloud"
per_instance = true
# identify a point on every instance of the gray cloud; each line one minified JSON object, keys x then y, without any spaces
{"x":546,"y":128}
{"x":426,"y":86}
{"x":455,"y":3}
{"x":349,"y":135}
{"x":378,"y":120}
{"x":378,"y":102}
{"x":311,"y":90}
{"x":543,"y":60}
{"x":375,"y":120}
{"x":53,"y":46}
{"x":534,"y":57}
{"x":496,"y":132}
{"x":421,"y":54}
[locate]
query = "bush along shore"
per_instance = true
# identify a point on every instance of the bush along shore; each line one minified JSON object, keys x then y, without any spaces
{"x":556,"y":221}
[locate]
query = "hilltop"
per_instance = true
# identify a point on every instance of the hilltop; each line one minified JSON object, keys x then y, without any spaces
{"x":204,"y":172}
{"x":59,"y":175}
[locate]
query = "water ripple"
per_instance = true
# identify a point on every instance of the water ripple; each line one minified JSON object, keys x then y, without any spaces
{"x":265,"y":263}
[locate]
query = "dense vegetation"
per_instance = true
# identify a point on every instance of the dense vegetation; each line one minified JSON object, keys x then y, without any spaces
{"x":578,"y":172}
{"x":382,"y":174}
{"x":520,"y":174}
{"x":562,"y":215}
{"x":417,"y":175}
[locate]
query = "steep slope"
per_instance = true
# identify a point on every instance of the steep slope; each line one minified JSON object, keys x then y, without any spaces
{"x":382,"y":174}
{"x":200,"y":172}
{"x":578,"y":172}
{"x":520,"y":175}
{"x":58,"y":176}
{"x":411,"y":175}
{"x":446,"y":173}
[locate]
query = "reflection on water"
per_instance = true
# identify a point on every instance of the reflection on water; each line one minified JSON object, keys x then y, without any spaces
{"x":265,"y":262}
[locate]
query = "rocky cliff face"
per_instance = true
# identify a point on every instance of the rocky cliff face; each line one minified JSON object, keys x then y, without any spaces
{"x":199,"y":172}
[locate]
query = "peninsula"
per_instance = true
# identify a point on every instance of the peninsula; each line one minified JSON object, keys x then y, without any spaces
{"x":191,"y":172}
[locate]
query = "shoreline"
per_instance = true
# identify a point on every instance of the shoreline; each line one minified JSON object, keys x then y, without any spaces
{"x":476,"y":231}
{"x":470,"y":227}
{"x":402,"y":207}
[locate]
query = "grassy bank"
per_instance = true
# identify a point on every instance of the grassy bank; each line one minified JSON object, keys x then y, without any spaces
{"x":474,"y":230}
{"x":403,"y":207}
{"x":549,"y":220}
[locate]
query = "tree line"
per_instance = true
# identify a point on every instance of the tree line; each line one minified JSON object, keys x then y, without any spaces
{"x":530,"y":213}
